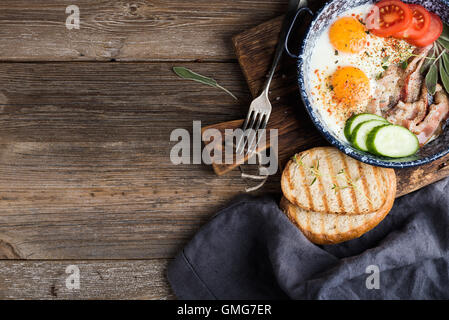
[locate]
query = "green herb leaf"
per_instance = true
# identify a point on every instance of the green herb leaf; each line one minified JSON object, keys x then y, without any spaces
{"x":429,"y":60}
{"x":444,"y":77}
{"x":446,"y":61}
{"x":404,"y":64}
{"x":190,"y":75}
{"x":432,"y":79}
{"x":385,"y":64}
{"x":444,"y":43}
{"x":313,"y":182}
{"x":445,"y":34}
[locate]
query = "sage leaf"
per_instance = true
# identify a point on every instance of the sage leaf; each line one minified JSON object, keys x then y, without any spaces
{"x":190,"y":75}
{"x":444,"y":77}
{"x":446,"y":61}
{"x":432,"y":79}
{"x":444,"y":43}
{"x":429,"y":60}
{"x":445,"y":34}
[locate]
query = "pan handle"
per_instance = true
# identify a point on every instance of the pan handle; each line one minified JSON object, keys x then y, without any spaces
{"x":298,"y":13}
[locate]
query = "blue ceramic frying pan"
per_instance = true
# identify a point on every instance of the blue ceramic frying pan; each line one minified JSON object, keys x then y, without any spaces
{"x":333,"y":9}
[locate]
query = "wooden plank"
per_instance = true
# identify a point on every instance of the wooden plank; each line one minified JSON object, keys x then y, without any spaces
{"x":84,"y":158}
{"x":109,"y":279}
{"x":111,"y":102}
{"x":128,"y":30}
{"x":99,"y":201}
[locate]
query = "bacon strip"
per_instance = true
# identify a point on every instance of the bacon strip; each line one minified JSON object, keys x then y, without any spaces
{"x":397,"y":84}
{"x":438,"y":113}
{"x":409,"y":114}
{"x":406,"y":92}
{"x":414,"y":80}
{"x":388,"y":91}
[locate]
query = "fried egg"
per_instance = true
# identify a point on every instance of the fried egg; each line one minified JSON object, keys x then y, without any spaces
{"x":348,"y":35}
{"x":346,"y":64}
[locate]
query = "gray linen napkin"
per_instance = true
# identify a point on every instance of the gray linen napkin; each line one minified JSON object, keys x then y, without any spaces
{"x":250,"y":250}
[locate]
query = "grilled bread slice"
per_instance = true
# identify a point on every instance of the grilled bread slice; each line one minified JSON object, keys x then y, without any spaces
{"x":323,"y":228}
{"x":327,"y":181}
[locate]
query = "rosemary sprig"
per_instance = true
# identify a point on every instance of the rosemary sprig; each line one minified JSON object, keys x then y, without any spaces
{"x":350,"y":184}
{"x":299,"y":162}
{"x":338,"y":188}
{"x":315,"y":171}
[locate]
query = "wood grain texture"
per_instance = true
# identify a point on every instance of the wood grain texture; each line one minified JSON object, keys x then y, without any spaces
{"x":127,"y":30}
{"x":49,"y":102}
{"x":85,"y":169}
{"x":84,"y":146}
{"x":254,"y":50}
{"x":107,"y":279}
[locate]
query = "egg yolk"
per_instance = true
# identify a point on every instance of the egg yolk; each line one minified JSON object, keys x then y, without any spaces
{"x":348,"y":35}
{"x":350,"y":86}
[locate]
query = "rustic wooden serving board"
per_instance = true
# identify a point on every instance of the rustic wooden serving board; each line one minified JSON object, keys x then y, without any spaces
{"x":254,"y":49}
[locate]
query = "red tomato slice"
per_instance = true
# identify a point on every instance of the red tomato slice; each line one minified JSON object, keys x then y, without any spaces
{"x":419,"y":26}
{"x":434,"y":32}
{"x":389,"y":17}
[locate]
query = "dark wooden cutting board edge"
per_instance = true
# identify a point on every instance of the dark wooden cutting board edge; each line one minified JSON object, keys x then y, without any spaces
{"x":254,"y":49}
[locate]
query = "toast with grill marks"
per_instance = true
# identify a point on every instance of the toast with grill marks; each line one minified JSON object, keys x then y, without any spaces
{"x":326,"y":229}
{"x":324,"y":180}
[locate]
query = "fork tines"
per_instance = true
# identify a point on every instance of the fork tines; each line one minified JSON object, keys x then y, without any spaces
{"x":255,"y":122}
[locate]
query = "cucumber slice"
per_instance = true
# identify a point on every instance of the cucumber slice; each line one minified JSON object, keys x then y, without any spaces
{"x":355,"y":120}
{"x":360,"y":133}
{"x":392,"y":141}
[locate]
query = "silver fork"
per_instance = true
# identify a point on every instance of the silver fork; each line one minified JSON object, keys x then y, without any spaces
{"x":260,"y":109}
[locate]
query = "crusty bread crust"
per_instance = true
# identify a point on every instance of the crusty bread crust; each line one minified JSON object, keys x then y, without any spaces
{"x":310,"y":189}
{"x":325,"y":239}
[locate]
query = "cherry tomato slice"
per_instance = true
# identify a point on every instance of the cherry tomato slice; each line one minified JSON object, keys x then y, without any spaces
{"x":419,"y":26}
{"x":434,"y":32}
{"x":389,"y":17}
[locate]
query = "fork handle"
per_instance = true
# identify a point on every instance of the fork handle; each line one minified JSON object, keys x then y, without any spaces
{"x":293,"y":7}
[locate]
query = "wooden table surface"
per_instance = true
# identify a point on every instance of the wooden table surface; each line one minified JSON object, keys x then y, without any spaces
{"x":85,"y":123}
